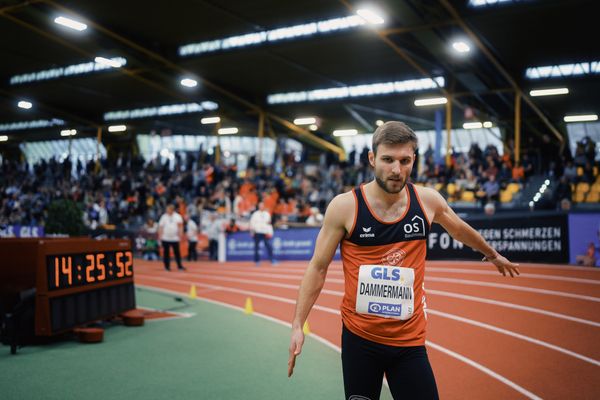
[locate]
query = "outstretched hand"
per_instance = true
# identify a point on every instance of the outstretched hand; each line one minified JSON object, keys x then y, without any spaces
{"x":504,"y":266}
{"x":295,"y":349}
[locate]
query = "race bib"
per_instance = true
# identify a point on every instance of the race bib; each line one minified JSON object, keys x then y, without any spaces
{"x":385,"y":291}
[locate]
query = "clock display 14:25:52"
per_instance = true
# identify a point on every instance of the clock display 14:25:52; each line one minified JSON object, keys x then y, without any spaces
{"x":69,"y":270}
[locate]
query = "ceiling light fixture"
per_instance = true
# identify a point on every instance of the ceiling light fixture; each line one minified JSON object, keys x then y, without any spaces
{"x":370,"y":16}
{"x":109,"y":62}
{"x":228,"y":131}
{"x":581,"y":118}
{"x":461,"y":47}
{"x":313,"y":127}
{"x":472,"y":125}
{"x":430,"y":101}
{"x":305,"y":121}
{"x":188,"y":82}
{"x":117,"y":128}
{"x":345,"y":132}
{"x":70,"y":23}
{"x":548,"y":92}
{"x":3,"y":138}
{"x":379,"y":122}
{"x":68,"y":132}
{"x":25,"y":104}
{"x":372,"y":89}
{"x":210,"y":120}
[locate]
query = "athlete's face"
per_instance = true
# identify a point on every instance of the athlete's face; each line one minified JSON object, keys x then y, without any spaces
{"x":393,"y":165}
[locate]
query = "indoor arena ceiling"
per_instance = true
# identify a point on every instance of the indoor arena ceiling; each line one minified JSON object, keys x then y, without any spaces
{"x":243,"y":52}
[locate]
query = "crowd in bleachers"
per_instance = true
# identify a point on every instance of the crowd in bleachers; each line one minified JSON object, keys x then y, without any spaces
{"x":126,"y":191}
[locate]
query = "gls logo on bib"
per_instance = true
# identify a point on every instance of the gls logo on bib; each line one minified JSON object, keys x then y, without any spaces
{"x":416,"y":227}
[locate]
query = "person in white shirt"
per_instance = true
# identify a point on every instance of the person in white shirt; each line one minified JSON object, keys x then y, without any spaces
{"x":213,"y":230}
{"x":191,"y":231}
{"x":261,"y":230}
{"x":170,"y":231}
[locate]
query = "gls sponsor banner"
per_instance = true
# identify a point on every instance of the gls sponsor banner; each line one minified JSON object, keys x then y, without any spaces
{"x":288,"y":244}
{"x":21,"y":231}
{"x":536,"y":238}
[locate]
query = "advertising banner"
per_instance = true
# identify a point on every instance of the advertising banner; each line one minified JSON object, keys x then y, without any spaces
{"x":21,"y":231}
{"x":530,"y":237}
{"x":584,"y":239}
{"x":288,"y":244}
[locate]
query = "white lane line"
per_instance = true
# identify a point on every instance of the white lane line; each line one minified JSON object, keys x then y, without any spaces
{"x":428,"y":291}
{"x":479,"y":264}
{"x":429,"y":311}
{"x":514,"y":334}
{"x":524,"y":275}
{"x":485,"y":370}
{"x":178,"y":315}
{"x":438,"y":279}
{"x":260,"y":283}
{"x":433,"y":279}
{"x":329,"y":344}
{"x":510,"y":305}
{"x":240,"y":291}
{"x":513,"y":287}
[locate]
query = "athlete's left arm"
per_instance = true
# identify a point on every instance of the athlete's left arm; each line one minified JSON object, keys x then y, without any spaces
{"x":463,"y":232}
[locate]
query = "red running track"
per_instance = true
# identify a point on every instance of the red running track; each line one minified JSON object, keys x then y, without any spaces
{"x":489,"y":337}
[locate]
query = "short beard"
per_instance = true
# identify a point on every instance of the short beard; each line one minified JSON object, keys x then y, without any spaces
{"x":382,"y":185}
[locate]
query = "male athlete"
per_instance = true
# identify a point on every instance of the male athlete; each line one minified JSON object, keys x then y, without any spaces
{"x":383,"y":227}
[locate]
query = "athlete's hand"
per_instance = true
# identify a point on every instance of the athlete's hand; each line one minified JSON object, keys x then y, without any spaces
{"x":504,"y":266}
{"x":295,"y":349}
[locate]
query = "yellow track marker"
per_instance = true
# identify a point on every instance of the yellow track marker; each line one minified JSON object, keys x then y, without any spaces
{"x":248,"y":308}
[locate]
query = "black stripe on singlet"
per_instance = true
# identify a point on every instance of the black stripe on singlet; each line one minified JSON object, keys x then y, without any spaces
{"x":369,"y":231}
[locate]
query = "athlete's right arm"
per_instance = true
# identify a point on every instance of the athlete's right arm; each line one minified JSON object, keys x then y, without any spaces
{"x":330,"y":235}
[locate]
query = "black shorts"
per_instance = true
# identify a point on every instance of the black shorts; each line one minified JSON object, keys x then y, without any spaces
{"x":407,"y":370}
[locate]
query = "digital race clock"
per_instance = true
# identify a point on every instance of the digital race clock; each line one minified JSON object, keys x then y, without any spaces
{"x":78,"y":269}
{"x":76,"y":281}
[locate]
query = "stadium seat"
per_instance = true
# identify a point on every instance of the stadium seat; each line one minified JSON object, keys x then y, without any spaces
{"x":513,"y":188}
{"x":579,"y":196}
{"x":592,"y":197}
{"x":583,"y":187}
{"x":506,"y":196}
{"x":451,"y":189}
{"x":467,"y":196}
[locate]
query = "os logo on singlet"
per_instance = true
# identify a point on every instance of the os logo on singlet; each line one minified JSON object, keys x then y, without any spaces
{"x":416,"y":227}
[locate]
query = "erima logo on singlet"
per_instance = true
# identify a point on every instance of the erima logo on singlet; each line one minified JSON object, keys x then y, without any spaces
{"x":367,"y":233}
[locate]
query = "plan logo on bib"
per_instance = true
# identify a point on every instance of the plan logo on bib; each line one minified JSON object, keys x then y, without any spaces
{"x":367,"y":232}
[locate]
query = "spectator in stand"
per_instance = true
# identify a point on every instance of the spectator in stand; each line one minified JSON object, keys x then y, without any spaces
{"x":527,"y":163}
{"x":232,"y":226}
{"x":563,"y":190}
{"x":316,"y":218}
{"x":489,"y":209}
{"x":213,"y":230}
{"x":150,"y":235}
{"x":588,"y":173}
{"x":490,"y":191}
{"x":570,"y":172}
{"x":191,"y":231}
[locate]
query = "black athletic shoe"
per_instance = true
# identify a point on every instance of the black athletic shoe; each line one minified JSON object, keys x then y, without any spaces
{"x":182,"y":268}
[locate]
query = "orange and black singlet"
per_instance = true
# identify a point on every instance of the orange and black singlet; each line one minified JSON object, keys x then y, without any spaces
{"x":384,"y":267}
